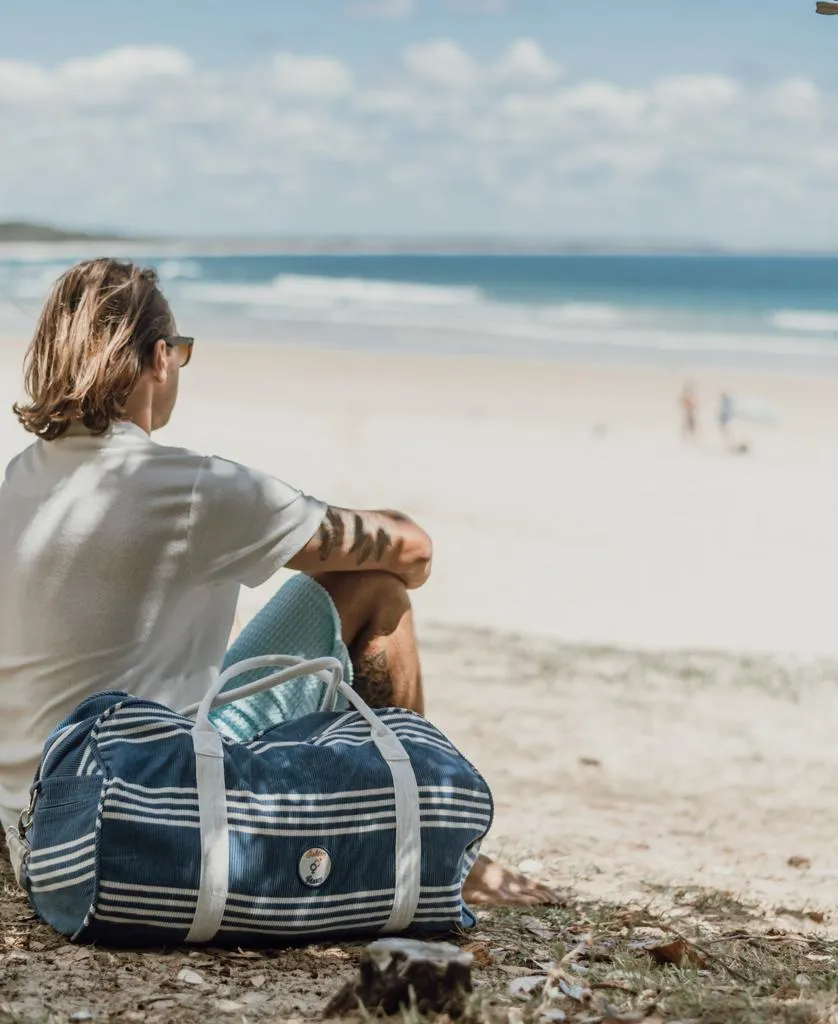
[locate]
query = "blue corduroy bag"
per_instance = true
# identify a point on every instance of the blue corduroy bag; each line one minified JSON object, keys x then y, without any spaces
{"x":148,"y":828}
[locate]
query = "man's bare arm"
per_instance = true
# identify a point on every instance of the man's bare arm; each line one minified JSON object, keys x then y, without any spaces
{"x":356,"y":541}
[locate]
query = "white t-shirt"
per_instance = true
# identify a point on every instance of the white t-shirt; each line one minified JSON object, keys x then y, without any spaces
{"x":120,"y":567}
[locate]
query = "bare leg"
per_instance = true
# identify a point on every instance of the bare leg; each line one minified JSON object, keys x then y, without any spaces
{"x":377,"y":626}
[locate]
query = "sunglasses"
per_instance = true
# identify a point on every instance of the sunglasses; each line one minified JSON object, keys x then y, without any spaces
{"x":183,"y":346}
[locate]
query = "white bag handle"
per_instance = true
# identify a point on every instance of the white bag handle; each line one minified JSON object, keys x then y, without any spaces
{"x":330,"y":670}
{"x":213,"y":887}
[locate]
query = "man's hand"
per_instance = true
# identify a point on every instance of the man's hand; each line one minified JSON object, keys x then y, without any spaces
{"x":356,"y":541}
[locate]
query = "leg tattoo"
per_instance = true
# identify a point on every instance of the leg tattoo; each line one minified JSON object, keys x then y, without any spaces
{"x":373,"y":680}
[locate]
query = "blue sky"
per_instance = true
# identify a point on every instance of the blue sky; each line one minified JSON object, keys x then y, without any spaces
{"x":620,"y":40}
{"x":658,"y":119}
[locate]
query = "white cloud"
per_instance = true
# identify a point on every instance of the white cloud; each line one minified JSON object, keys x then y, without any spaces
{"x":143,"y":137}
{"x":22,"y":82}
{"x":797,"y":99}
{"x":394,"y":9}
{"x":697,"y":93}
{"x":388,"y":101}
{"x":316,"y":77}
{"x":388,"y":10}
{"x":481,"y":6}
{"x":126,"y":65}
{"x":525,"y":61}
{"x":441,"y":63}
{"x":604,"y":101}
{"x":108,"y":77}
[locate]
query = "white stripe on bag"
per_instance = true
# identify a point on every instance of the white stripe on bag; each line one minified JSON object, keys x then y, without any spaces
{"x":143,"y":711}
{"x":149,"y":821}
{"x":442,"y":801}
{"x":169,"y":891}
{"x":255,"y":831}
{"x":258,"y":816}
{"x":360,"y":741}
{"x":106,"y":884}
{"x":157,"y":923}
{"x":151,"y":901}
{"x":260,"y":748}
{"x":288,"y":906}
{"x":119,"y":729}
{"x":245,"y":807}
{"x":185,"y":916}
{"x":186,"y":812}
{"x":398,"y":725}
{"x":88,"y":750}
{"x":47,"y":850}
{"x":315,"y":829}
{"x":67,"y":883}
{"x":117,"y":790}
{"x":295,"y":797}
{"x":456,"y":790}
{"x":268,"y":803}
{"x":149,"y":789}
{"x":35,"y":866}
{"x":303,"y":925}
{"x":146,"y":739}
{"x":443,"y":812}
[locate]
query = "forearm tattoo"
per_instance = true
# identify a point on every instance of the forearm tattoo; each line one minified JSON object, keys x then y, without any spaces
{"x":331,"y":533}
{"x":364,"y":539}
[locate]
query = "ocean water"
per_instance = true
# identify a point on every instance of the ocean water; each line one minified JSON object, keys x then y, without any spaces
{"x":769,"y":311}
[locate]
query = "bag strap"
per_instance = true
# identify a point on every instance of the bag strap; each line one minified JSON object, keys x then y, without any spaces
{"x":408,"y":840}
{"x":330,"y":670}
{"x":18,"y":848}
{"x":213,"y":887}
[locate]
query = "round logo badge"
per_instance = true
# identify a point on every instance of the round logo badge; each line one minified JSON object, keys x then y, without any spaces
{"x":315,"y":867}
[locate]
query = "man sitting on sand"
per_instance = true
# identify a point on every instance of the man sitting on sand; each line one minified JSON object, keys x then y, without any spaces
{"x":122,"y":559}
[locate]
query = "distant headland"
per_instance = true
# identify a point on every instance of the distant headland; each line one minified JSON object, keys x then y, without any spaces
{"x":130,"y":244}
{"x":15,"y":231}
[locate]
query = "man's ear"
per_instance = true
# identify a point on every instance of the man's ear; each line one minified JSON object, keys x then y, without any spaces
{"x":160,"y":361}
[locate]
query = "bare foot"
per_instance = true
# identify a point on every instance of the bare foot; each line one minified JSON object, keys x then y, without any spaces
{"x":492,"y":884}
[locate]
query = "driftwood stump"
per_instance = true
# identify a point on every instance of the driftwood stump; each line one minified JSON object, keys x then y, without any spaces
{"x":394,"y":972}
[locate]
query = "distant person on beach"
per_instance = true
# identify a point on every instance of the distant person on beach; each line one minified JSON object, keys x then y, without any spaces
{"x":689,"y":411}
{"x":122,"y":559}
{"x":725,"y":414}
{"x":735,"y":445}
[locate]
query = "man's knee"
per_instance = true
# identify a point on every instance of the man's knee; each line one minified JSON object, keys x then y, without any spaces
{"x":389,"y":602}
{"x":372,"y":602}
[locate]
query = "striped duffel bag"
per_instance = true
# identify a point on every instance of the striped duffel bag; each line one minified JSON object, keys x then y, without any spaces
{"x":148,"y":828}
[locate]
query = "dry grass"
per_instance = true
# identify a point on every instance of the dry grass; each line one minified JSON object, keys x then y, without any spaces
{"x":733,"y":967}
{"x":592,"y":963}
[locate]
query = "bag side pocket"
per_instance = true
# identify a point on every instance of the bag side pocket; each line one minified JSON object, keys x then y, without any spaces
{"x":62,"y":865}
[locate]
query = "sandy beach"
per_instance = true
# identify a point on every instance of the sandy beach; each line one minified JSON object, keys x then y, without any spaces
{"x":562,"y":500}
{"x":631,"y":635}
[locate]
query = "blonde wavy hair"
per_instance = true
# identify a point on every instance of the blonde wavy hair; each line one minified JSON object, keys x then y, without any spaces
{"x":94,"y":337}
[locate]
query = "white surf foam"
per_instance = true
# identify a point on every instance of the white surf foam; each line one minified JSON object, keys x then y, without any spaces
{"x":171,"y":270}
{"x":441,"y":317}
{"x":592,"y":314}
{"x":406,"y":305}
{"x":310,"y":292}
{"x":461,"y":317}
{"x":811,"y":321}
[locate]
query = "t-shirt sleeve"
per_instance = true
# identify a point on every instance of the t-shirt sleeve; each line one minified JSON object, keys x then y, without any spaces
{"x":246,"y":525}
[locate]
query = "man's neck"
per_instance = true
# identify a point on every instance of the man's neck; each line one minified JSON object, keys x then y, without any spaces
{"x":144,"y":423}
{"x":138,"y":411}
